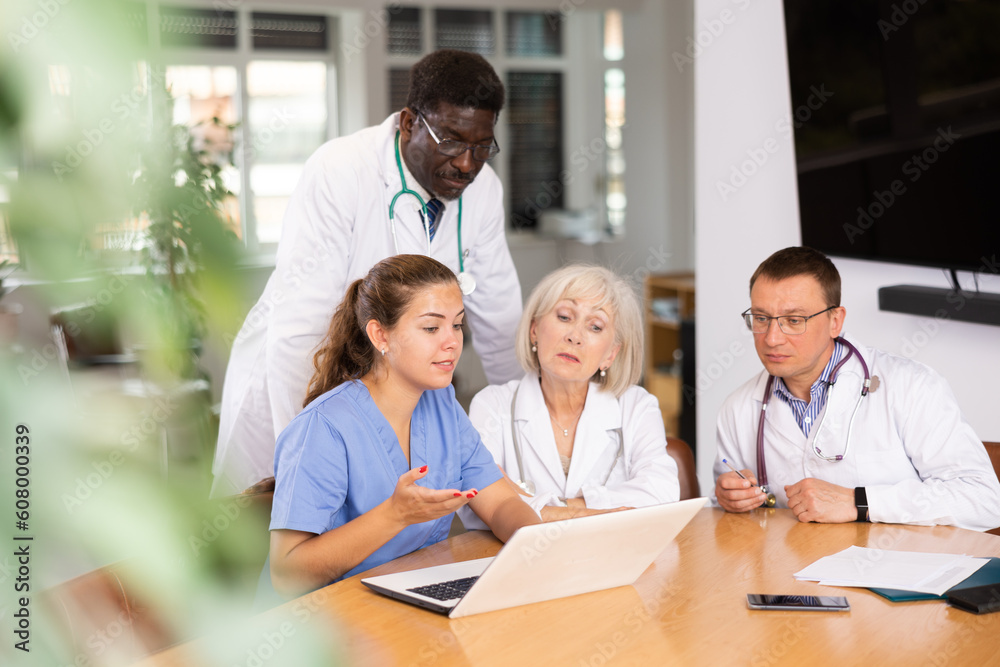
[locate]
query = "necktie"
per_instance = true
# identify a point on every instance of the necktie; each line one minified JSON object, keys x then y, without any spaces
{"x":434,"y":209}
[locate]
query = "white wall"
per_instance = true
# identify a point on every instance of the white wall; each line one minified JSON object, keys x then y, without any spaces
{"x":967,"y":355}
{"x":741,"y":101}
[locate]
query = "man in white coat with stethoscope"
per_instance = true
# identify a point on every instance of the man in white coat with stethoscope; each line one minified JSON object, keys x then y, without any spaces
{"x":839,"y":432}
{"x":417,"y":183}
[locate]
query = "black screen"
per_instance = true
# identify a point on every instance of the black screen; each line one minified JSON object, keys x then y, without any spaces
{"x":896,"y":110}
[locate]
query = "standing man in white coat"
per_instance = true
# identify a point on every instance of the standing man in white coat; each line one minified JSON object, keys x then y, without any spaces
{"x":839,"y":432}
{"x":417,"y":183}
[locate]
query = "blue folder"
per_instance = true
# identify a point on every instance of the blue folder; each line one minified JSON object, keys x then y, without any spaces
{"x":986,"y":575}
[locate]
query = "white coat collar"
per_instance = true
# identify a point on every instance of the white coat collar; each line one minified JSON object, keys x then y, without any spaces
{"x":601,"y":410}
{"x":387,"y":152}
{"x":601,"y":413}
{"x":851,"y":367}
{"x":866,"y":353}
{"x":413,"y":183}
{"x":390,"y":169}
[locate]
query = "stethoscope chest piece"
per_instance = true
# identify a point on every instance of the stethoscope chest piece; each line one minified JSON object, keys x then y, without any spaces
{"x":467,"y":284}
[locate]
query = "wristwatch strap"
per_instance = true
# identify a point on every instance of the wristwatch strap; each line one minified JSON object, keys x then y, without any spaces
{"x":861,"y":502}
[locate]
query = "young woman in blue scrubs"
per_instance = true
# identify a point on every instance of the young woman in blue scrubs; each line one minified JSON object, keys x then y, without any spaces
{"x":383,"y":455}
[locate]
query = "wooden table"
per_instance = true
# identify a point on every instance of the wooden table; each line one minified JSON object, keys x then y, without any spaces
{"x":688,"y":608}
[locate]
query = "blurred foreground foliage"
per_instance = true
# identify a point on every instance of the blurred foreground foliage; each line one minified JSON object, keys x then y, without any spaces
{"x":101,"y":490}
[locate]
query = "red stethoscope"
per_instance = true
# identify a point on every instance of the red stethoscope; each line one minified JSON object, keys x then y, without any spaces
{"x":870,"y":384}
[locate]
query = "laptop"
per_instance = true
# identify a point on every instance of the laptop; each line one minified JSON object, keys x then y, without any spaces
{"x":546,"y":561}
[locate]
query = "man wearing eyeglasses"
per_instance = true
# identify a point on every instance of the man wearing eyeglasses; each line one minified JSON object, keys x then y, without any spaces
{"x":418,"y":183}
{"x":839,"y":432}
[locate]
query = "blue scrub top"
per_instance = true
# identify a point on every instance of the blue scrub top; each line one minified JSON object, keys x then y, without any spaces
{"x":339,"y":458}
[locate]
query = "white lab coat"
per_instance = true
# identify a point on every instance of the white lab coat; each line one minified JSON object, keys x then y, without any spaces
{"x":644,"y":475}
{"x":918,"y":459}
{"x":336,"y":227}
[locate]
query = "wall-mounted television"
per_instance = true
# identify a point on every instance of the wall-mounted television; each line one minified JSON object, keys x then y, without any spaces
{"x":896,"y":110}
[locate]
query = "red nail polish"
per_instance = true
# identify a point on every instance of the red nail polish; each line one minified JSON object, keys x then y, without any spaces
{"x":458,"y":495}
{"x":423,"y":469}
{"x":470,"y":495}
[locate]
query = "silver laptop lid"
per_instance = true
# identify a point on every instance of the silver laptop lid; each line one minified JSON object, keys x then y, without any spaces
{"x":563,"y":558}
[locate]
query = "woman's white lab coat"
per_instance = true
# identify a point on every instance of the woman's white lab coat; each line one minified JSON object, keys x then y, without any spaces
{"x":918,"y":459}
{"x":336,"y":227}
{"x":619,"y":457}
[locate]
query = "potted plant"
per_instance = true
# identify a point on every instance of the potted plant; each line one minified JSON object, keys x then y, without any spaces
{"x":179,"y":189}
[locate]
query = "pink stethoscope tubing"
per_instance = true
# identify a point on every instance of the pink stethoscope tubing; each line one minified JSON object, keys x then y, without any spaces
{"x":761,"y":467}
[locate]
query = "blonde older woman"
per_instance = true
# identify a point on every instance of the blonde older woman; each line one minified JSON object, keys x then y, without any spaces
{"x":575,"y":433}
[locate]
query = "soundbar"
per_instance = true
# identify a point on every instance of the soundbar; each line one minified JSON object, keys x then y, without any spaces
{"x":979,"y":307}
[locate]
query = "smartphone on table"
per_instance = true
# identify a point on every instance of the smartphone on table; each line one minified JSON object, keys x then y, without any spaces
{"x":798,"y":602}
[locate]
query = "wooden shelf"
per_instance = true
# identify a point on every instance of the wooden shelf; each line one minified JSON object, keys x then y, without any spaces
{"x":663,"y":339}
{"x":673,"y":281}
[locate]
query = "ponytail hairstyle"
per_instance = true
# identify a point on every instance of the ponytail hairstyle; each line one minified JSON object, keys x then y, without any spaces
{"x":346,"y":353}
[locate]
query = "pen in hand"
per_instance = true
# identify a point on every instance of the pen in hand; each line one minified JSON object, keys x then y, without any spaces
{"x":769,"y":502}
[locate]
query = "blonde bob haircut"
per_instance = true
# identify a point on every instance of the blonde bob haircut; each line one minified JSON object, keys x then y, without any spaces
{"x":612,"y":294}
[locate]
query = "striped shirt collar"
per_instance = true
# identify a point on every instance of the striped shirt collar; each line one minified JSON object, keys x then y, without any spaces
{"x":806,"y":413}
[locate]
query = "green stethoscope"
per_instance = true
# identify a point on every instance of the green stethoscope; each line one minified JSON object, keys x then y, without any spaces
{"x":466,"y":283}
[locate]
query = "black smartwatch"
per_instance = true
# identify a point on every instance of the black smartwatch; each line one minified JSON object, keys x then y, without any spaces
{"x":861,"y":502}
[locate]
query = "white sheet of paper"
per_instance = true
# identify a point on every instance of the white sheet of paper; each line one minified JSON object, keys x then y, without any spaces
{"x":905,"y":570}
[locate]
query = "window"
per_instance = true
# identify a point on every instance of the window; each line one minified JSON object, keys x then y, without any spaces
{"x":286,"y":122}
{"x":184,"y":26}
{"x":201,"y":94}
{"x":405,"y":38}
{"x":614,"y":124}
{"x":8,"y":250}
{"x":614,"y":161}
{"x":399,"y":86}
{"x":275,"y":92}
{"x":468,"y":30}
{"x":534,"y":34}
{"x":265,"y":75}
{"x":534,"y":100}
{"x":288,"y":31}
{"x":614,"y":37}
{"x":273,"y":89}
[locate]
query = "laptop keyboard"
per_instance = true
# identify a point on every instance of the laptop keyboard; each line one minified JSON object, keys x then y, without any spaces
{"x":446,"y":590}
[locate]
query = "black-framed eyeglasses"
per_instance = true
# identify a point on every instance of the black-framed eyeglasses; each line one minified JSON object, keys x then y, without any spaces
{"x":452,"y":148}
{"x":792,"y":325}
